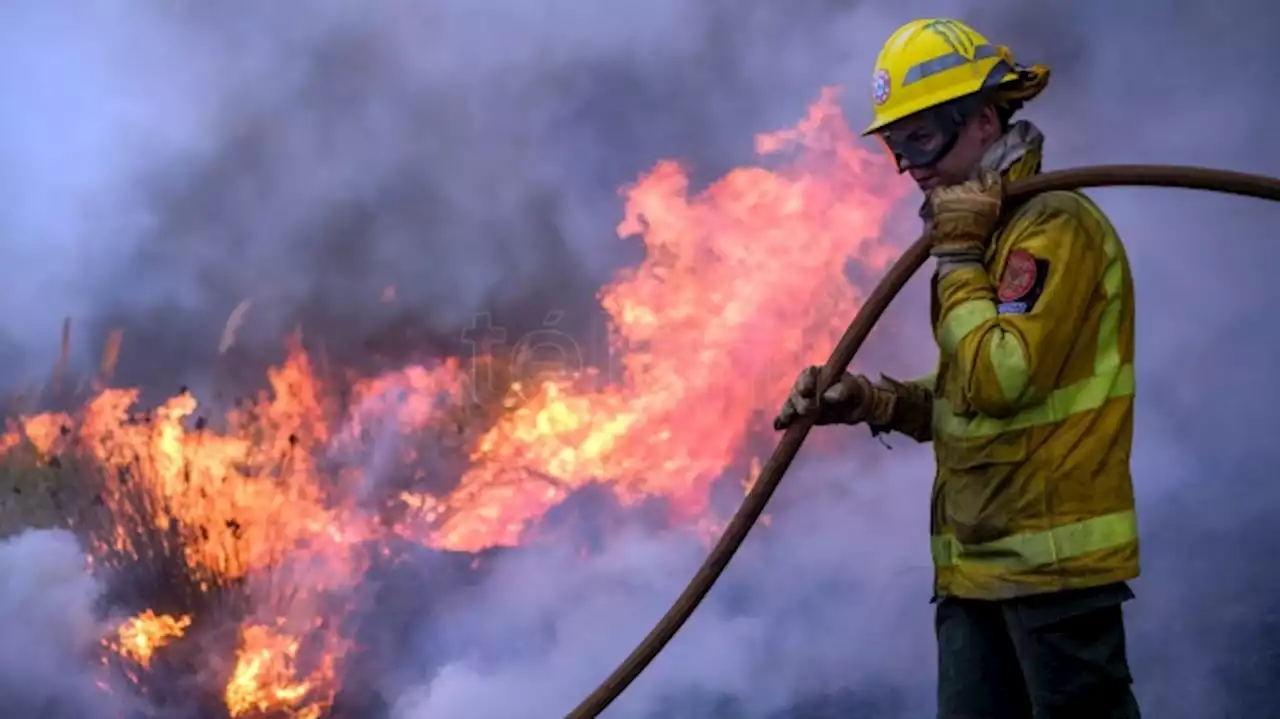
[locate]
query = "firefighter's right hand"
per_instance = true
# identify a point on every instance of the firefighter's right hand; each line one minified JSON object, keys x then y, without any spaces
{"x":848,"y":401}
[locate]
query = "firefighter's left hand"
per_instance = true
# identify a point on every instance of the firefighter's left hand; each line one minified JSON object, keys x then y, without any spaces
{"x":963,"y":219}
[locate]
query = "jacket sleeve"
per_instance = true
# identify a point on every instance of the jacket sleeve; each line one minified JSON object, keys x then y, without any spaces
{"x":912,"y":407}
{"x":1008,"y":342}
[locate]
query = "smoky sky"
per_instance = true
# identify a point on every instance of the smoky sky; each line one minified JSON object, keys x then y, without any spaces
{"x":163,"y":162}
{"x":469,"y":157}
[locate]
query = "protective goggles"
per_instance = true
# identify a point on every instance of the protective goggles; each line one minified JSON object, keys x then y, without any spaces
{"x":929,"y":136}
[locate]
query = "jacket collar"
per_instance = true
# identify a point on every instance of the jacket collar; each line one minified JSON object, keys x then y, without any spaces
{"x":1016,"y":155}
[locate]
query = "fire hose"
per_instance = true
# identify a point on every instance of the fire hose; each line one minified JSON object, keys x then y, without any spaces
{"x":1193,"y":178}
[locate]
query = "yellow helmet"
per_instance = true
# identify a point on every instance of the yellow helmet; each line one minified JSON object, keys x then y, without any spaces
{"x":929,"y":62}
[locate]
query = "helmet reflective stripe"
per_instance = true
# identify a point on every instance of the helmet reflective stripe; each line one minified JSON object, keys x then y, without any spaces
{"x":946,"y":62}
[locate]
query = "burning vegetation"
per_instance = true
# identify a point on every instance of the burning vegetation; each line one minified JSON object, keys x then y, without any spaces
{"x":236,"y":540}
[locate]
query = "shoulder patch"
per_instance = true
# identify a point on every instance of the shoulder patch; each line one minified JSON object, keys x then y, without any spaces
{"x":1022,"y":283}
{"x":1019,"y":276}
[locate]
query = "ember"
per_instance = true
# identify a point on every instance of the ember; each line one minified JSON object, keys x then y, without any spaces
{"x":239,"y":542}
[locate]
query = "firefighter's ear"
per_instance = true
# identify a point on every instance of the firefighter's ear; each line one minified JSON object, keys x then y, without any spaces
{"x":987,"y":124}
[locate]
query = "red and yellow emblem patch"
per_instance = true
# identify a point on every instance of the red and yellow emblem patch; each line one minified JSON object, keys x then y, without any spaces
{"x":1019,"y":276}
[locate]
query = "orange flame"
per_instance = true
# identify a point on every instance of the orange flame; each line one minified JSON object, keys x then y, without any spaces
{"x":138,"y":638}
{"x":267,"y":679}
{"x":743,"y":282}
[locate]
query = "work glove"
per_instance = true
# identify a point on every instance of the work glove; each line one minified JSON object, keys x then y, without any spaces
{"x":850,"y":400}
{"x":963,"y":218}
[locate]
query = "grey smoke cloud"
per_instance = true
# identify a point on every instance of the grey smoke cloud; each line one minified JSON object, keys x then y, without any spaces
{"x":164,"y":162}
{"x":468,"y":157}
{"x":47,"y":599}
{"x":817,"y":607}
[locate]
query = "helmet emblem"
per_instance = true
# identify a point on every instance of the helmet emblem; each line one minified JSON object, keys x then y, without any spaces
{"x":880,"y":86}
{"x":954,"y":36}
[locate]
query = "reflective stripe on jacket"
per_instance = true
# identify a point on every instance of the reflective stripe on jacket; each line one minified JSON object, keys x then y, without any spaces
{"x":1033,"y":406}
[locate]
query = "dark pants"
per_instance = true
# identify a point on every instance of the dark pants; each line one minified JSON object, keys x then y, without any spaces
{"x":1055,"y":656}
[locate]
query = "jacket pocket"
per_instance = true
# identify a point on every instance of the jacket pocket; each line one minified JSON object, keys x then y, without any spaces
{"x":977,"y":484}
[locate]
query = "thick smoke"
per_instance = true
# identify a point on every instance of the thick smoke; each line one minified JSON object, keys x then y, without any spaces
{"x":164,"y":162}
{"x":819,"y":613}
{"x":466,"y":157}
{"x":47,"y":600}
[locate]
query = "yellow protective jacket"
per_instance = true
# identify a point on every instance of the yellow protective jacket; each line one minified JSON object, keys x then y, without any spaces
{"x":1032,"y":402}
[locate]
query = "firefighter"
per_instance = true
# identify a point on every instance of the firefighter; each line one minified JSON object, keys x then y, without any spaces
{"x":1030,"y":409}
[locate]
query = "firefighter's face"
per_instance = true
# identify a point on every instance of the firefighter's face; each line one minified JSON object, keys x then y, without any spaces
{"x":943,"y":146}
